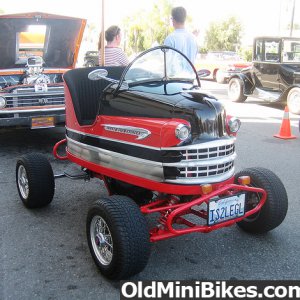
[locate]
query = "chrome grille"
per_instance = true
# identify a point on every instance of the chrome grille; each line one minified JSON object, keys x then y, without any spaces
{"x":205,"y":171}
{"x":204,"y":163}
{"x":206,"y":153}
{"x":25,"y":97}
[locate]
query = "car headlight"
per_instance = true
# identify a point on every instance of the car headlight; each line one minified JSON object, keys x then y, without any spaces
{"x":2,"y":102}
{"x":234,"y":124}
{"x":182,"y":132}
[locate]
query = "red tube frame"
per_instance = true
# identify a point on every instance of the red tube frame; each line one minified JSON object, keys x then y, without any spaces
{"x":177,"y":210}
{"x":172,"y":213}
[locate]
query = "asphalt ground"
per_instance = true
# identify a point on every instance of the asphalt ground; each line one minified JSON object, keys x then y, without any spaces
{"x":44,"y":252}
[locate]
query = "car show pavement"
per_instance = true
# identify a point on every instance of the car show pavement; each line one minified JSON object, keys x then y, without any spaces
{"x":44,"y":252}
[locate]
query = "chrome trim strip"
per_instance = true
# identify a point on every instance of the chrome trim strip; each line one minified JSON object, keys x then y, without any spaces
{"x":56,"y":71}
{"x":13,"y":111}
{"x":123,"y":163}
{"x":32,"y":93}
{"x":210,"y":144}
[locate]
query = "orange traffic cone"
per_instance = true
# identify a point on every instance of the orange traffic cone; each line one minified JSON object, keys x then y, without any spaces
{"x":285,"y":129}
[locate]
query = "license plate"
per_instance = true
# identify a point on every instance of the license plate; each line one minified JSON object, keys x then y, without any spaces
{"x":42,"y":122}
{"x":224,"y":209}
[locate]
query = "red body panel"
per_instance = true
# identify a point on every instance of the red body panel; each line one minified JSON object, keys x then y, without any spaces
{"x":162,"y":130}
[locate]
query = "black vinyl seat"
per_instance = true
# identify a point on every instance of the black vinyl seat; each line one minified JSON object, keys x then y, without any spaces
{"x":86,"y":93}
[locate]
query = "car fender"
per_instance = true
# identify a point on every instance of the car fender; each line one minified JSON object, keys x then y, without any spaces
{"x":248,"y":84}
{"x":285,"y":93}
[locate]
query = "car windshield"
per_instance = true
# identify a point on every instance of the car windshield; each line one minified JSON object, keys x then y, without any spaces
{"x":291,"y":51}
{"x":159,"y":64}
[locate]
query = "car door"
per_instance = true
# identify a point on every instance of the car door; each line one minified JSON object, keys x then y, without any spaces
{"x":266,"y":63}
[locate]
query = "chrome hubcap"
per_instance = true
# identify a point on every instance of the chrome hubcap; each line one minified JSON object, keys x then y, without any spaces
{"x":234,"y":90}
{"x":23,"y":182}
{"x":101,"y":239}
{"x":294,"y":102}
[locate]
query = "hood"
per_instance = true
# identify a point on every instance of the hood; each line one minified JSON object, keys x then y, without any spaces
{"x":56,"y":38}
{"x":204,"y":112}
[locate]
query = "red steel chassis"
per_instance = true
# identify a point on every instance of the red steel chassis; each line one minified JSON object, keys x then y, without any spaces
{"x":167,"y":204}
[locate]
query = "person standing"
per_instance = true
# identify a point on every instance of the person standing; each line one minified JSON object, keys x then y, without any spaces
{"x":181,"y":39}
{"x":114,"y":55}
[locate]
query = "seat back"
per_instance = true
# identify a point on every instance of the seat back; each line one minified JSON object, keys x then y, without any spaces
{"x":85,"y":93}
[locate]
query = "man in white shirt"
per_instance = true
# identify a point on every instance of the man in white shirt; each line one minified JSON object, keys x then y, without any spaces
{"x":181,"y":39}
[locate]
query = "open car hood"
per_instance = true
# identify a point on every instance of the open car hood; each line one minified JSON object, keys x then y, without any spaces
{"x":56,"y":38}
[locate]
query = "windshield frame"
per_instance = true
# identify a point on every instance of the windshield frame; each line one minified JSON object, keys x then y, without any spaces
{"x":164,"y":49}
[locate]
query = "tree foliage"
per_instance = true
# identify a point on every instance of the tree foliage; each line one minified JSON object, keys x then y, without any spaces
{"x":145,"y":28}
{"x":224,"y":35}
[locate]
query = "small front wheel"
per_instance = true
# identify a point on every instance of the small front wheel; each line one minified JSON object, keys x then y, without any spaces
{"x":236,"y":90}
{"x":275,"y":208}
{"x":118,"y":237}
{"x":35,"y":180}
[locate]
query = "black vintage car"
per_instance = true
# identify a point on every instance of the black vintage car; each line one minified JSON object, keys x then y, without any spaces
{"x":274,"y":75}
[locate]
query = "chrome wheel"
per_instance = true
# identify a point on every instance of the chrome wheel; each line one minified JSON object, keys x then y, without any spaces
{"x":23,"y":182}
{"x":234,"y":89}
{"x":101,"y":240}
{"x":293,"y":101}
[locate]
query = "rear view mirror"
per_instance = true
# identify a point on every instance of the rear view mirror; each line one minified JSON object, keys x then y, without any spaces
{"x":98,"y":74}
{"x":203,"y":73}
{"x":102,"y":74}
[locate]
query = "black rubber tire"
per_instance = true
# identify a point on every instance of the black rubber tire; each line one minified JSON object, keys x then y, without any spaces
{"x":129,"y":233}
{"x":236,"y":90}
{"x":274,"y":210}
{"x":40,"y":180}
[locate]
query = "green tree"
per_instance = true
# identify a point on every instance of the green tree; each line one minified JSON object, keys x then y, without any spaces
{"x":224,"y":35}
{"x":246,"y":53}
{"x":145,"y":28}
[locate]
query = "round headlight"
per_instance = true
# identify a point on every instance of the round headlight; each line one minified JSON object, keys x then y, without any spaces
{"x":2,"y":102}
{"x":234,"y":124}
{"x":182,"y":132}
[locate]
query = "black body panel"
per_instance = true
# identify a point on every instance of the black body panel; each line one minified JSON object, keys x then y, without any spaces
{"x":205,"y":114}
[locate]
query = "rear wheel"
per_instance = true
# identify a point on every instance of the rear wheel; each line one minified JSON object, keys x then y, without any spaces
{"x":293,"y":101}
{"x":236,"y":90}
{"x":275,"y":208}
{"x":118,"y":237}
{"x":35,"y":180}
